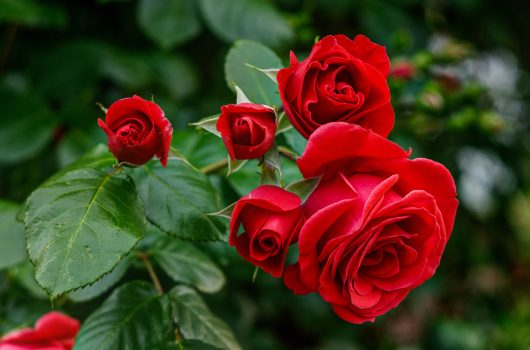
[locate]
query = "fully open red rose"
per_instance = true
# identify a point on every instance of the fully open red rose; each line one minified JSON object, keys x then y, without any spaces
{"x":53,"y":331}
{"x":271,"y":219}
{"x":340,"y":80}
{"x":377,"y":225}
{"x":137,"y":130}
{"x":247,"y":129}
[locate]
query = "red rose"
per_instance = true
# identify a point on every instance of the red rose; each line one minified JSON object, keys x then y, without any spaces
{"x":340,"y":80}
{"x":137,"y":130}
{"x":53,"y":331}
{"x":377,"y":225}
{"x":247,"y":129}
{"x":271,"y":218}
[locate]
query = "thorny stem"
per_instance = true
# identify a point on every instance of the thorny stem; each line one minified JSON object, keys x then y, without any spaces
{"x":154,"y":278}
{"x":210,"y":168}
{"x":287,"y":153}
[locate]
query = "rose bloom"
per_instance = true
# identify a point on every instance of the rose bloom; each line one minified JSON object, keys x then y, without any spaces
{"x":340,"y":80}
{"x":247,"y":129}
{"x":53,"y":331}
{"x":271,"y":219}
{"x":403,"y":70}
{"x":377,"y":225}
{"x":137,"y":130}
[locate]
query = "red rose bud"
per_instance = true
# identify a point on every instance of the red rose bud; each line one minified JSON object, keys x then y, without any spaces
{"x":341,"y":80}
{"x":403,"y":70}
{"x":52,"y":331}
{"x":137,"y":130}
{"x":247,"y":129}
{"x":271,"y":219}
{"x":377,"y":224}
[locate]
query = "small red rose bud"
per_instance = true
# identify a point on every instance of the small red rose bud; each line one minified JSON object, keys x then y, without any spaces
{"x":247,"y":129}
{"x":137,"y":130}
{"x":403,"y":70}
{"x":272,"y":218}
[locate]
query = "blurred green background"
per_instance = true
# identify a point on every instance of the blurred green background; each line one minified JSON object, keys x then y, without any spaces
{"x":466,"y":105}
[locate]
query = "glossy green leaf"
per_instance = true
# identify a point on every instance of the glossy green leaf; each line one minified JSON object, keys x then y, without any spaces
{"x":79,"y":226}
{"x":168,"y":23}
{"x":26,"y":126}
{"x":247,"y":19}
{"x":186,"y":263}
{"x":256,"y":85}
{"x":134,"y":317}
{"x":296,"y":141}
{"x":177,"y":199}
{"x":13,"y":243}
{"x":101,"y":286}
{"x":196,"y":321}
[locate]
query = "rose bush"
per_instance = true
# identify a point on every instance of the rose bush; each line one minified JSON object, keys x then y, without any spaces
{"x":340,"y":80}
{"x":271,"y":218}
{"x":377,"y":225}
{"x":53,"y":331}
{"x":247,"y":129}
{"x":137,"y":130}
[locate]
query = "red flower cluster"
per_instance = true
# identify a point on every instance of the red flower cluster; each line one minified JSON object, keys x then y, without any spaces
{"x":53,"y":331}
{"x":377,"y":224}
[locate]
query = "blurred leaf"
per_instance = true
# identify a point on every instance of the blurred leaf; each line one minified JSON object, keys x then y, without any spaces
{"x":234,"y":165}
{"x":185,"y":263}
{"x":175,"y":74}
{"x":168,"y":23}
{"x":13,"y":242}
{"x":79,"y":226}
{"x":196,"y":322}
{"x":177,"y":199}
{"x":26,"y":126}
{"x":101,"y":286}
{"x":25,"y":275}
{"x":134,"y":317}
{"x":129,"y":70}
{"x":32,"y":13}
{"x":256,"y":85}
{"x":76,"y":143}
{"x":247,"y":19}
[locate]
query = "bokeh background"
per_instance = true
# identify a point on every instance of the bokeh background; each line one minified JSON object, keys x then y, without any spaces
{"x":461,"y":92}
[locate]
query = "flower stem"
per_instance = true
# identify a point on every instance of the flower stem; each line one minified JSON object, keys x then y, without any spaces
{"x":151,"y":271}
{"x":210,"y":168}
{"x":287,"y":153}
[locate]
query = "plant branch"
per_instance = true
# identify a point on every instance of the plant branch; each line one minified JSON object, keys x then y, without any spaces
{"x":210,"y":168}
{"x":287,"y":153}
{"x":156,"y":282}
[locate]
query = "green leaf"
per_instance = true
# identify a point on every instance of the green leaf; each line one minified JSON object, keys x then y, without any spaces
{"x":209,"y":124}
{"x":32,"y":13}
{"x":26,"y":126}
{"x":196,"y":322}
{"x":101,"y":286}
{"x":184,"y":262}
{"x":177,"y":199}
{"x":283,"y":124}
{"x":79,"y":226}
{"x":134,"y":317}
{"x":13,"y":243}
{"x":168,"y":23}
{"x":226,"y":212}
{"x":296,"y":141}
{"x":24,"y":274}
{"x":240,"y":95}
{"x":256,"y":86}
{"x":270,"y":73}
{"x":247,"y":19}
{"x":175,"y":74}
{"x":199,"y":149}
{"x":303,"y":188}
